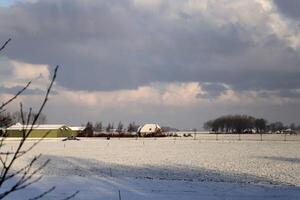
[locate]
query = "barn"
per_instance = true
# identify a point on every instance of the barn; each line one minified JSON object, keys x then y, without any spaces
{"x":149,"y":130}
{"x":45,"y":130}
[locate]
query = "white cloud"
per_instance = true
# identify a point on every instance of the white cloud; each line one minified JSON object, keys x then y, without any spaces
{"x":182,"y":94}
{"x":26,"y":71}
{"x":172,"y":95}
{"x":147,"y":4}
{"x":259,"y":18}
{"x":160,"y":49}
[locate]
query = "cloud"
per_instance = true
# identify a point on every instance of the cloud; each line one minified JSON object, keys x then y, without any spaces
{"x":289,"y":8}
{"x":16,"y":74}
{"x":284,"y":94}
{"x":25,"y":71}
{"x":213,"y":90}
{"x":146,"y":60}
{"x":119,"y":45}
{"x":14,"y":90}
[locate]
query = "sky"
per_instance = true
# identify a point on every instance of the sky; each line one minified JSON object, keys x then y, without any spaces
{"x":173,"y":62}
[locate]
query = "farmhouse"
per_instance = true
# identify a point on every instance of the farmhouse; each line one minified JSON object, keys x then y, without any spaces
{"x":45,"y":130}
{"x":149,"y":130}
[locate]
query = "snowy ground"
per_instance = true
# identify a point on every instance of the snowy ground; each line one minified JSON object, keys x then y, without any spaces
{"x":167,"y":169}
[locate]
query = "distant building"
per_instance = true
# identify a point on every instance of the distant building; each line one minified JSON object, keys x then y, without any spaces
{"x":288,"y":131}
{"x":149,"y":130}
{"x":43,"y":130}
{"x":77,"y":128}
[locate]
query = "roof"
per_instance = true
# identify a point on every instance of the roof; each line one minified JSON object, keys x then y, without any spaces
{"x":148,"y":128}
{"x":77,"y":128}
{"x":19,"y":126}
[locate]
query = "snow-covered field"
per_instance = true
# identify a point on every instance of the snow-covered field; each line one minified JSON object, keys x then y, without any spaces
{"x":166,"y":168}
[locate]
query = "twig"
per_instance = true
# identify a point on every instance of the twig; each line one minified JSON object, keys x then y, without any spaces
{"x":71,"y":196}
{"x":25,"y":178}
{"x":24,"y":168}
{"x":4,"y":45}
{"x":43,"y":194}
{"x":14,"y":97}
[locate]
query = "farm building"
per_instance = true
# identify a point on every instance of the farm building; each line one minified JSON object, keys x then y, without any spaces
{"x":45,"y":130}
{"x":149,"y":130}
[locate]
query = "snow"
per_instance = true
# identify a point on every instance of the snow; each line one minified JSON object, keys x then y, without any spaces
{"x":103,"y":188}
{"x":167,"y":169}
{"x":19,"y":126}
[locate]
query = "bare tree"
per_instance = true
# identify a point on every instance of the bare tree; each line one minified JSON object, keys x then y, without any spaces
{"x":17,"y":117}
{"x":98,"y":127}
{"x":5,"y":119}
{"x":27,"y":175}
{"x":88,"y":131}
{"x":120,"y":127}
{"x":131,"y":127}
{"x":108,"y":128}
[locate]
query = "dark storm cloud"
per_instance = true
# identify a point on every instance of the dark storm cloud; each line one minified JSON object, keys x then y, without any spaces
{"x":289,"y":8}
{"x":284,"y":93}
{"x":289,"y":94}
{"x":213,"y":90}
{"x":108,"y":45}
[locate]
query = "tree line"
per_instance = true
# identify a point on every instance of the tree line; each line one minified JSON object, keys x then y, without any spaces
{"x":99,"y":129}
{"x":245,"y":124}
{"x":223,"y":124}
{"x":7,"y":119}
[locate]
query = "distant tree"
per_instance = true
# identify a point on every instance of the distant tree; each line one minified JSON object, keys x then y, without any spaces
{"x":88,"y":131}
{"x":112,"y":127}
{"x":120,"y":127}
{"x":98,"y":126}
{"x":276,"y":126}
{"x":260,"y":125}
{"x":5,"y":120}
{"x":231,"y":124}
{"x":209,"y":125}
{"x":132,"y":127}
{"x":17,"y":117}
{"x":292,"y":126}
{"x":108,"y":128}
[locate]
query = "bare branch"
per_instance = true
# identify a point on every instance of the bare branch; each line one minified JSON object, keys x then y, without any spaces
{"x":10,"y":153}
{"x":34,"y":144}
{"x":21,"y":183}
{"x":14,"y":97}
{"x":4,"y":45}
{"x":43,"y":194}
{"x":71,"y":196}
{"x":24,"y":181}
{"x":28,"y":117}
{"x":45,"y":99}
{"x":24,"y":168}
{"x":25,"y":175}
